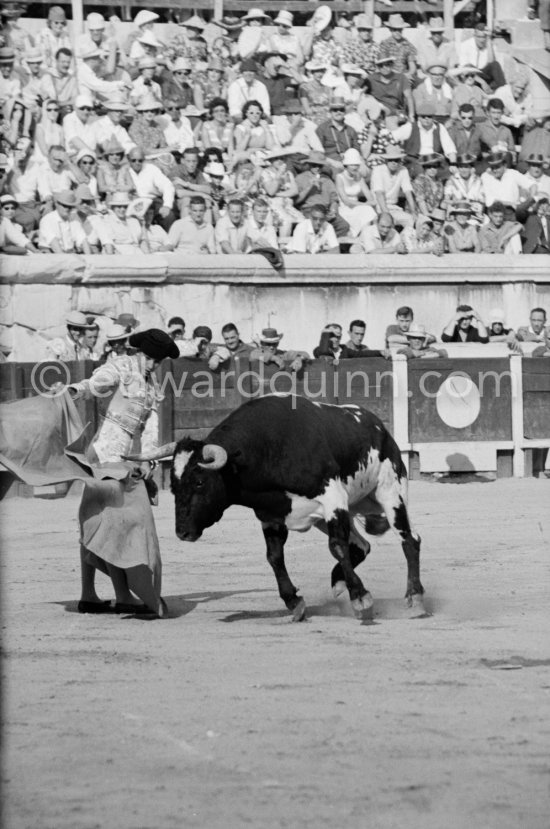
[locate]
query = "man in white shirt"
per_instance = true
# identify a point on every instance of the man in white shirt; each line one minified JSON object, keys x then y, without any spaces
{"x":381,"y":237}
{"x":144,"y":83}
{"x":192,"y":233}
{"x":292,"y":129}
{"x":108,"y":127}
{"x":90,"y":81}
{"x":260,"y":231}
{"x":535,"y":163}
{"x":425,"y":136}
{"x":314,"y":235}
{"x":95,"y":38}
{"x":247,"y":88}
{"x":76,"y":126}
{"x":388,"y":182}
{"x":500,"y":184}
{"x":231,"y":229}
{"x":54,"y":177}
{"x":59,"y":232}
{"x":176,"y":127}
{"x":478,"y":51}
{"x":151,"y":183}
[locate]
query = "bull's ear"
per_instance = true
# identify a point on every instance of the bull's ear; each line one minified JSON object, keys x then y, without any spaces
{"x":213,"y":456}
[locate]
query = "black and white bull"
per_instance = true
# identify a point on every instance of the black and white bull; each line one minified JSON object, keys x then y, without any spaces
{"x":299,"y":464}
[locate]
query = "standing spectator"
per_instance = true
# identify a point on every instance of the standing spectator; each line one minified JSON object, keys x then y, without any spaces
{"x":464,"y":134}
{"x":536,"y":331}
{"x":150,"y":183}
{"x":465,"y":326}
{"x":465,"y":186}
{"x":460,"y":235}
{"x":500,"y":235}
{"x":381,"y":237}
{"x":59,"y":82}
{"x":108,"y":128}
{"x":193,"y":233}
{"x":247,"y":88}
{"x":389,"y":182}
{"x":537,"y":228}
{"x":59,"y":231}
{"x":53,"y":37}
{"x":427,"y":187}
{"x":231,"y":229}
{"x":124,"y":233}
{"x":335,"y":136}
{"x":396,"y":46}
{"x":113,"y":174}
{"x":418,"y":344}
{"x":354,"y":194}
{"x":70,"y":346}
{"x":314,"y":235}
{"x":506,"y":186}
{"x":77,"y":126}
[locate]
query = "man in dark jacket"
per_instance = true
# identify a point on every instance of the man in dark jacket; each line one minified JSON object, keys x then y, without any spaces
{"x":465,"y":326}
{"x":536,"y":236}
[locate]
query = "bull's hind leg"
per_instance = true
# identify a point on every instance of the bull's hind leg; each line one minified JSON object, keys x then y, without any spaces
{"x":339,"y":533}
{"x":391,"y":493}
{"x":275,"y":537}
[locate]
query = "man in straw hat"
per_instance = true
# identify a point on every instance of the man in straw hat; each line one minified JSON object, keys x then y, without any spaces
{"x":461,"y":235}
{"x":335,"y":135}
{"x":126,"y":234}
{"x":360,"y":49}
{"x":90,"y":78}
{"x":417,"y":347}
{"x":436,"y":91}
{"x":436,"y":49}
{"x":70,"y":347}
{"x":109,"y":127}
{"x":60,"y":231}
{"x":96,"y":36}
{"x":389,"y":182}
{"x":396,"y":46}
{"x":268,"y":353}
{"x":77,"y":126}
{"x":286,"y":40}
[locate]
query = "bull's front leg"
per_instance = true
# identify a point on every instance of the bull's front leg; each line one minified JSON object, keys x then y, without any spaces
{"x":339,"y":532}
{"x":275,"y":537}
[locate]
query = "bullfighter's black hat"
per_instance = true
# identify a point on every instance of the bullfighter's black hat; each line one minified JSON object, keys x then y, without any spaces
{"x":155,"y":344}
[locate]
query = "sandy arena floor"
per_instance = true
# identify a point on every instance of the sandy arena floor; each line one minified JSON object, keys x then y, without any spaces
{"x":226,"y":715}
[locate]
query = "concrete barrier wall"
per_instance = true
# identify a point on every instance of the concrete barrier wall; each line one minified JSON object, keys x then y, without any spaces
{"x":37,"y":291}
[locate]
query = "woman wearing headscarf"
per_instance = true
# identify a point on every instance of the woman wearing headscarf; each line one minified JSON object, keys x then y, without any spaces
{"x":117,"y":530}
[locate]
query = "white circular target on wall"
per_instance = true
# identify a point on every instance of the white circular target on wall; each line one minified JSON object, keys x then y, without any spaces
{"x":458,"y":401}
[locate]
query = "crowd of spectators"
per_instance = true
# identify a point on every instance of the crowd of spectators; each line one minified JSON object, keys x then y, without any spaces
{"x":265,"y":137}
{"x":403,"y":336}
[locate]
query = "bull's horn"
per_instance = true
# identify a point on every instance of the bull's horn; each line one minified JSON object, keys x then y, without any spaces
{"x":165,"y":451}
{"x":214,"y":456}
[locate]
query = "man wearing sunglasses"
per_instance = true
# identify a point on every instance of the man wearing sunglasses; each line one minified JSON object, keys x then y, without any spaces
{"x":76,"y":126}
{"x":109,"y":126}
{"x":436,"y":91}
{"x":335,"y":135}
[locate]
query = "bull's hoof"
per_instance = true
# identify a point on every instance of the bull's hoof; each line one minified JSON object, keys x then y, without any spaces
{"x":363,"y":607}
{"x":338,"y":589}
{"x":415,"y":607}
{"x":299,"y":612}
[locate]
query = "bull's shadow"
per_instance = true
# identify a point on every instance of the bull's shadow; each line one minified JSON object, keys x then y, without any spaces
{"x":385,"y":609}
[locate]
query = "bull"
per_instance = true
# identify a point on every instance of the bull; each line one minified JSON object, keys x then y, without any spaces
{"x":299,"y":464}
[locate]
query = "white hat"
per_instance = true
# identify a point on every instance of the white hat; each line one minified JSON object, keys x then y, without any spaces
{"x":215,"y":168}
{"x":116,"y":332}
{"x":496,"y":315}
{"x":148,"y":39}
{"x":145,"y":16}
{"x":119,"y":199}
{"x":77,"y":319}
{"x":320,"y":19}
{"x":181,"y":64}
{"x":85,"y":153}
{"x":417,"y":330}
{"x":351,"y":156}
{"x":315,"y":66}
{"x":256,"y":14}
{"x":83,"y":101}
{"x":95,"y":21}
{"x":284,"y":18}
{"x":194,"y":22}
{"x":352,"y":69}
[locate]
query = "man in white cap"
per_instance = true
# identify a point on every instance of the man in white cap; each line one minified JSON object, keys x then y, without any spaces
{"x":89,"y":78}
{"x":96,"y":37}
{"x":70,"y":347}
{"x":60,"y":231}
{"x":144,"y":21}
{"x":285,"y":40}
{"x":108,"y":127}
{"x":76,"y":126}
{"x":398,"y":47}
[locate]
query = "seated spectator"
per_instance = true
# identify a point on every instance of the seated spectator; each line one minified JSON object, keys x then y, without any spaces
{"x":84,"y":170}
{"x":150,"y":183}
{"x":177,"y":129}
{"x":190,"y":180}
{"x":389,"y":182}
{"x":192,"y":232}
{"x":543,"y":350}
{"x":18,"y":121}
{"x":113,"y":172}
{"x":12,"y":239}
{"x":418,"y":344}
{"x":460,"y":235}
{"x":154,"y":234}
{"x":536,"y":139}
{"x":210,"y":85}
{"x":535,"y":174}
{"x":478,"y":51}
{"x":145,"y":85}
{"x":107,"y":130}
{"x":536,"y":233}
{"x":465,"y":326}
{"x":465,"y":185}
{"x":53,"y":36}
{"x":330,"y":344}
{"x":495,"y":136}
{"x":427,"y":186}
{"x":398,"y":47}
{"x":70,"y":347}
{"x":421,"y":238}
{"x":381,"y":237}
{"x":123,"y":234}
{"x":259,"y":227}
{"x":267,"y":352}
{"x":202,"y":347}
{"x":292,"y":129}
{"x":59,"y":82}
{"x":351,"y":91}
{"x":247,"y":88}
{"x":286,"y":40}
{"x":278,"y":186}
{"x":48,"y":133}
{"x":253,"y":138}
{"x":10,"y":82}
{"x":468,"y":97}
{"x":90,"y":79}
{"x":497,"y":330}
{"x":424,"y":137}
{"x":354,"y":194}
{"x":27,"y":186}
{"x":314,"y":235}
{"x":438,"y":217}
{"x":145,"y":130}
{"x":54,"y":176}
{"x":465,"y":133}
{"x":500,"y":235}
{"x":233,"y":342}
{"x":96,"y":37}
{"x":436,"y":49}
{"x":516,"y":97}
{"x":314,"y":96}
{"x":396,"y":333}
{"x":60,"y":231}
{"x":91,"y":222}
{"x":335,"y":135}
{"x":231,"y":231}
{"x":536,"y":331}
{"x":77,"y":127}
{"x":361,"y":48}
{"x":218,"y":130}
{"x":219,"y":186}
{"x":501,"y":184}
{"x":316,"y":187}
{"x":435,"y":92}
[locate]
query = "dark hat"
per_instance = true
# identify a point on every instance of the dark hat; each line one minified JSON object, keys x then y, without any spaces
{"x":263,"y":56}
{"x":465,"y":159}
{"x":127,"y":320}
{"x":462,"y":207}
{"x":536,"y":159}
{"x":7,"y":54}
{"x":464,"y":309}
{"x":425,"y":108}
{"x":270,"y":336}
{"x":203,"y":331}
{"x":249,"y":65}
{"x":273,"y":256}
{"x":229,"y":22}
{"x":155,"y":344}
{"x":316,"y":157}
{"x":496,"y":159}
{"x":430,"y":160}
{"x":292,"y":106}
